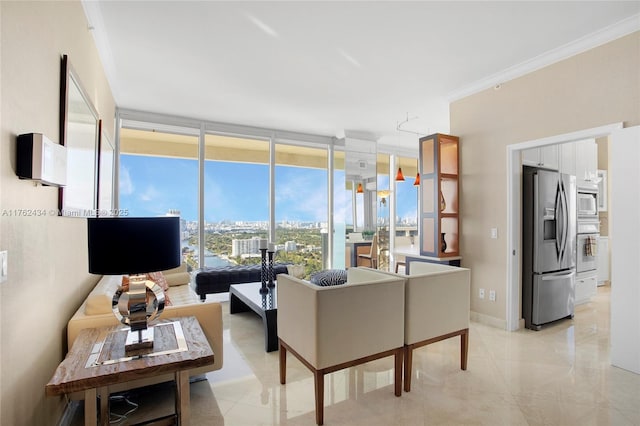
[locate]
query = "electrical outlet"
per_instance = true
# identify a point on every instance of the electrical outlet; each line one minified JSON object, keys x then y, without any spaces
{"x":3,"y":266}
{"x":481,"y":293}
{"x":492,"y":295}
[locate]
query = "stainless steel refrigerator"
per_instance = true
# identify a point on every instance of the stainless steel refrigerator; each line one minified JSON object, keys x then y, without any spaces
{"x":548,"y":246}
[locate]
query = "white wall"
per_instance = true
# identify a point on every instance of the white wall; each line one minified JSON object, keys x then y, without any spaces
{"x":625,"y":254}
{"x":589,"y":90}
{"x":48,"y":275}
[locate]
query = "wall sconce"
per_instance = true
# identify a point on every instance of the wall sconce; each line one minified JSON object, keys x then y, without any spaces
{"x":41,"y":160}
{"x":399,"y":175}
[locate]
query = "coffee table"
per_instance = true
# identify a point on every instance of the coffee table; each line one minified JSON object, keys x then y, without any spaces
{"x":97,"y":360}
{"x":246,"y":297}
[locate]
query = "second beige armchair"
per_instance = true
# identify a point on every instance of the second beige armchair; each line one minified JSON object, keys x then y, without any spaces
{"x":437,"y":304}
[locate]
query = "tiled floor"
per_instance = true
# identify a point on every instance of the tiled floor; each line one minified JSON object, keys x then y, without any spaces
{"x":558,"y":376}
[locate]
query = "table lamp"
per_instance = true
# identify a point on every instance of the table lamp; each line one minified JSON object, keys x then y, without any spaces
{"x":135,"y":246}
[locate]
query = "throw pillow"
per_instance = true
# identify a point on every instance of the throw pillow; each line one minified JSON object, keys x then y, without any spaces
{"x":329,"y":277}
{"x":158,"y":278}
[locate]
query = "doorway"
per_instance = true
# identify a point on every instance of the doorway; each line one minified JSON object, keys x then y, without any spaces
{"x":514,"y":210}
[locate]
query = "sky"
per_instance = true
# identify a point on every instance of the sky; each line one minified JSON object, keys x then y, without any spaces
{"x":151,"y":186}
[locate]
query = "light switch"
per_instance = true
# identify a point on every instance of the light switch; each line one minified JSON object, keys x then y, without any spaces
{"x":3,"y":266}
{"x":494,"y":233}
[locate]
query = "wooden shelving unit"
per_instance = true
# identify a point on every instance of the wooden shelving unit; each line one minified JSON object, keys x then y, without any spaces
{"x":439,"y":202}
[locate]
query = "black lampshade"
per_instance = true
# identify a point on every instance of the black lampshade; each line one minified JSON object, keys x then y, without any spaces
{"x":133,"y":245}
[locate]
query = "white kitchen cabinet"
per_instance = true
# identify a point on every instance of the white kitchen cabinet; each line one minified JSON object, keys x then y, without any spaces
{"x":586,"y":287}
{"x":546,"y":156}
{"x":568,"y":158}
{"x":586,"y":162}
{"x":602,"y":190}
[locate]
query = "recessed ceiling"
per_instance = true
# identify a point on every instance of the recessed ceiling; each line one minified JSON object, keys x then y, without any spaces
{"x":329,"y":67}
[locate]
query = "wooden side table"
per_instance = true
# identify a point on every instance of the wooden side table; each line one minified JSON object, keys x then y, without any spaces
{"x":97,"y":360}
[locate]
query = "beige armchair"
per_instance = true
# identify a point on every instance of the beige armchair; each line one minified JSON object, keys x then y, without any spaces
{"x":437,"y":304}
{"x":336,"y":327}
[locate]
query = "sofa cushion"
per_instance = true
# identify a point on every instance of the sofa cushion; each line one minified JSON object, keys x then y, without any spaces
{"x":329,"y":277}
{"x":99,"y":300}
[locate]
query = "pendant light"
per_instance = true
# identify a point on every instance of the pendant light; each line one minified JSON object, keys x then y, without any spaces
{"x":417,"y":181}
{"x":399,"y":175}
{"x":359,"y":190}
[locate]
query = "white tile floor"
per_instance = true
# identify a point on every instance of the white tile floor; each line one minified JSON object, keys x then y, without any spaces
{"x":558,"y":376}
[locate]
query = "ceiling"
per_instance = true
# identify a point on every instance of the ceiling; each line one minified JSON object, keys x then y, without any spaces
{"x":329,"y":67}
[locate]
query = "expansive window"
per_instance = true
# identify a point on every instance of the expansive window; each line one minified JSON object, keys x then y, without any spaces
{"x":231,"y":190}
{"x":384,"y":211}
{"x":343,"y":201}
{"x":158,"y":176}
{"x":236,"y":199}
{"x":301,"y":206}
{"x":406,"y":217}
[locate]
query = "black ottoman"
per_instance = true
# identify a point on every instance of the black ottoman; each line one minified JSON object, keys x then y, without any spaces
{"x":218,"y":280}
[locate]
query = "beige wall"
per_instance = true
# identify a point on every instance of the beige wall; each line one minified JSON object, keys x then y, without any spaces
{"x":595,"y":88}
{"x":48,"y":275}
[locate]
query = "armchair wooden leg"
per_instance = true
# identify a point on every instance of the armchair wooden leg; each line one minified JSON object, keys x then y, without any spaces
{"x":283,"y":364}
{"x":408,"y":360}
{"x":318,"y":377}
{"x":464,"y":348}
{"x":397,"y":381}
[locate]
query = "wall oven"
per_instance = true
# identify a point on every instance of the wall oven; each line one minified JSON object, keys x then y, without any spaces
{"x":587,"y":203}
{"x":587,"y":246}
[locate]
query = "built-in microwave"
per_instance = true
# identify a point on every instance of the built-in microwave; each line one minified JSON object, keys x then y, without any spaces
{"x":587,"y":203}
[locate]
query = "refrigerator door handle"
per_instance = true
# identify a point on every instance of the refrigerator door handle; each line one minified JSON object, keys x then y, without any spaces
{"x":563,"y":222}
{"x":566,"y":221}
{"x":558,"y":215}
{"x":536,"y":225}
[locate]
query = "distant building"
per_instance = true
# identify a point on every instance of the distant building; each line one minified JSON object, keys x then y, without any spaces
{"x":290,"y":246}
{"x":184,"y":232}
{"x":242,"y":247}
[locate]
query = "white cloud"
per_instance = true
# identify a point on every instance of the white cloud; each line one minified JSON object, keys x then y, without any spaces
{"x":126,"y":185}
{"x":302,"y":198}
{"x":150,"y":194}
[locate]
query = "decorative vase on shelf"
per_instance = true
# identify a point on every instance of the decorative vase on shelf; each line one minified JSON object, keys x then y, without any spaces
{"x":443,"y":243}
{"x":443,"y":204}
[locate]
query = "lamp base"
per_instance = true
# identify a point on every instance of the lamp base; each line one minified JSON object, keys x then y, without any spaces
{"x":139,"y":340}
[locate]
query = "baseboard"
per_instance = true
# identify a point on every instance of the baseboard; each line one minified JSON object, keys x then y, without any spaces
{"x":488,"y":320}
{"x":70,"y":412}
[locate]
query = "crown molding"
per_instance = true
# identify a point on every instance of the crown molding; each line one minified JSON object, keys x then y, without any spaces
{"x":95,"y":24}
{"x":598,"y":38}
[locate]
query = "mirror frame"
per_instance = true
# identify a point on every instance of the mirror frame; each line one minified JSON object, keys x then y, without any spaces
{"x":79,"y":197}
{"x":106,"y":174}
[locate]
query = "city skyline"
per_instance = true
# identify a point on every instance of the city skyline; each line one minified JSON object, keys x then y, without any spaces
{"x":236,"y":192}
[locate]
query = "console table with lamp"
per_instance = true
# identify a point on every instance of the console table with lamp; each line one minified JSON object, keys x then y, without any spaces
{"x":106,"y":356}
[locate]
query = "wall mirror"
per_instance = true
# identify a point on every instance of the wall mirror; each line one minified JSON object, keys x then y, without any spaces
{"x":360,"y":170}
{"x":79,"y":134}
{"x":106,"y":164}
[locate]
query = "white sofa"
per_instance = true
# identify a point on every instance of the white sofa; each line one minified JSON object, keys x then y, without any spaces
{"x":96,"y":311}
{"x":335,"y":327}
{"x":437,"y":307}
